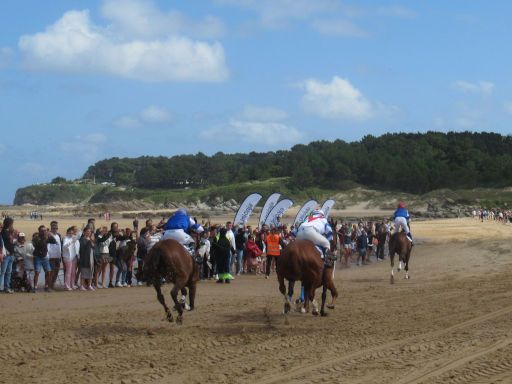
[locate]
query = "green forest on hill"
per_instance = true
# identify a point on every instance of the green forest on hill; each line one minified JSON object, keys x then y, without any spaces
{"x":409,"y":162}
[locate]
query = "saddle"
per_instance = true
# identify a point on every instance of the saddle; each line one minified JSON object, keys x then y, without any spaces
{"x":327,"y":256}
{"x":190,"y":248}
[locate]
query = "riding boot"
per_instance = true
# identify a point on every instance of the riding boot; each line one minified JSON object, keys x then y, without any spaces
{"x":409,"y":236}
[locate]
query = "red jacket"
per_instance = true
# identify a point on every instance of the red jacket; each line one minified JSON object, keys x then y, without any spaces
{"x":252,"y":249}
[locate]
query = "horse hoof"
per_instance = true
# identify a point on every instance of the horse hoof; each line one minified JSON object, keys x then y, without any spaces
{"x":287,"y":308}
{"x":323,"y":313}
{"x":398,"y":269}
{"x":169,"y":317}
{"x":330,"y":306}
{"x":302,"y":310}
{"x":315,"y":313}
{"x":407,"y":277}
{"x":392,"y":280}
{"x":179,"y":320}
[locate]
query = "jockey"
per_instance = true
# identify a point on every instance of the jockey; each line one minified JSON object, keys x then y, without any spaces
{"x":401,"y":217}
{"x":178,"y":227}
{"x":317,"y":230}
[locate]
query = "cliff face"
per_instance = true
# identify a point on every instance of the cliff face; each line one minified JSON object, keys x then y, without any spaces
{"x":54,"y":194}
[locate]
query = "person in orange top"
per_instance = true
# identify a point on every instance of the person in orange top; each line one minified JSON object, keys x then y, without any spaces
{"x":274,"y":244}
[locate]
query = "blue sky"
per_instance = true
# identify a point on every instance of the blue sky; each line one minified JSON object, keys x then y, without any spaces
{"x":81,"y":81}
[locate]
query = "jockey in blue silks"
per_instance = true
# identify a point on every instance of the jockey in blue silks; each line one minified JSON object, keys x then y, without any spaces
{"x":179,"y":226}
{"x":402,"y":218}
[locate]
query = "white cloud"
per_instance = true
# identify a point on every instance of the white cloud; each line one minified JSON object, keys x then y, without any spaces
{"x":143,"y":19}
{"x":338,"y":27}
{"x":255,"y":113}
{"x":397,"y":11}
{"x":127,"y":122}
{"x":154,"y":114}
{"x":481,"y":87}
{"x":94,"y":138}
{"x":258,"y":126}
{"x":465,"y":122}
{"x":277,"y":13}
{"x":256,"y":132}
{"x":87,"y":146}
{"x":31,"y":168}
{"x":150,"y":115}
{"x":6,"y":56}
{"x":74,"y":44}
{"x":508,"y":106}
{"x":340,"y":100}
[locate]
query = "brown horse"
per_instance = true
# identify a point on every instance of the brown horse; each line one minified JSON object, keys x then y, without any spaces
{"x":168,"y":260}
{"x":300,"y":261}
{"x":398,"y":243}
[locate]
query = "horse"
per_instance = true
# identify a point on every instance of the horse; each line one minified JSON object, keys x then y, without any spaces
{"x":398,"y":243}
{"x":168,"y":260}
{"x":300,"y":260}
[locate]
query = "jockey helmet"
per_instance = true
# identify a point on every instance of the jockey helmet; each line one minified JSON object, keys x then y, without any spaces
{"x":181,"y":211}
{"x":318,"y":212}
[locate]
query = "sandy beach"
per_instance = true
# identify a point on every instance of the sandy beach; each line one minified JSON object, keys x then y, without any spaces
{"x":450,"y":323}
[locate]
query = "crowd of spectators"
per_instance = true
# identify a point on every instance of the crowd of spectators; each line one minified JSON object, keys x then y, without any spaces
{"x":92,"y":258}
{"x":499,"y":215}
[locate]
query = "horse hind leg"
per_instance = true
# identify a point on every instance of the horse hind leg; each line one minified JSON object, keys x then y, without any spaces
{"x":392,"y":259}
{"x":192,"y":295}
{"x":311,"y":295}
{"x":282,"y":289}
{"x":161,"y":299}
{"x":324,"y":297}
{"x":177,"y":304}
{"x":407,"y":276}
{"x":334,"y":293}
{"x":183,"y":300}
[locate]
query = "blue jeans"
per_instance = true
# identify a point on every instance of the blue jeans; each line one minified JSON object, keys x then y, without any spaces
{"x":239,"y":260}
{"x":122,"y":269}
{"x":6,"y":271}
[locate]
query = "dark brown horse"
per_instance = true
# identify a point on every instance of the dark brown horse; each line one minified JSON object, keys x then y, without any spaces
{"x":398,"y":243}
{"x":169,"y":261}
{"x":300,"y":260}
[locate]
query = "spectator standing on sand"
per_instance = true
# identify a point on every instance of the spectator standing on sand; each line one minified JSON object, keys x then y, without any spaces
{"x":8,"y":239}
{"x":273,"y":243}
{"x":70,"y":252}
{"x":142,"y":251}
{"x":240,"y":241}
{"x":223,"y":250}
{"x":86,"y":259}
{"x":54,"y":253}
{"x":204,"y":252}
{"x":231,"y":237}
{"x":362,"y":245}
{"x":25,"y":250}
{"x":102,"y":256}
{"x":40,"y":241}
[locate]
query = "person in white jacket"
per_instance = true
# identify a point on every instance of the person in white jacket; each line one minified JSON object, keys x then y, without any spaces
{"x":70,"y":252}
{"x":317,"y":230}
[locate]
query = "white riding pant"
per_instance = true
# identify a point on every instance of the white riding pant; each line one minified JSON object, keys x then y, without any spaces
{"x":401,"y":222}
{"x":179,"y":235}
{"x":311,"y":234}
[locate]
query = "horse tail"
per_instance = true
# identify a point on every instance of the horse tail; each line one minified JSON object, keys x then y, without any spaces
{"x":152,"y":263}
{"x":391,"y":244}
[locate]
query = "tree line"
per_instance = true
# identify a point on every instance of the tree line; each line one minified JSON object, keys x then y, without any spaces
{"x":411,"y":162}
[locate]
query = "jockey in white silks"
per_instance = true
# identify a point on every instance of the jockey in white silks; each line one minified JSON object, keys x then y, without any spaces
{"x":177,"y":227}
{"x":317,"y":230}
{"x":402,"y":218}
